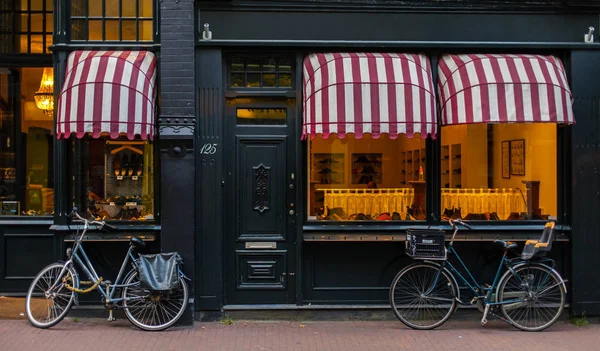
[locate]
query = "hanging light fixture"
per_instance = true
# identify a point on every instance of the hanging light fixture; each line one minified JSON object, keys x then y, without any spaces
{"x":44,"y":97}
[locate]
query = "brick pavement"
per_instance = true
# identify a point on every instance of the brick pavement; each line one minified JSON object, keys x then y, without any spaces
{"x":97,"y":334}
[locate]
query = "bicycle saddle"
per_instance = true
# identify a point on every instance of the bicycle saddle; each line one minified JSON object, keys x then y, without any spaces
{"x":137,"y":243}
{"x":506,"y":244}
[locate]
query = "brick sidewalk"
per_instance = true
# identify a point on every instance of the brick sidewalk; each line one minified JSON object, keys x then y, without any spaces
{"x":96,"y":334}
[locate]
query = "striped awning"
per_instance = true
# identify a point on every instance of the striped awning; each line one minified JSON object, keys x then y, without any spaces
{"x":374,"y":93}
{"x":503,"y":88}
{"x":108,"y":92}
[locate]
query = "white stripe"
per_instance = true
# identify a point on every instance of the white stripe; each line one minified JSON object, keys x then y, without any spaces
{"x":124,"y":97}
{"x":349,"y":93}
{"x":88,"y":109}
{"x":525,"y":89}
{"x":366,"y":95}
{"x":384,"y":115}
{"x":492,"y":90}
{"x":475,"y":91}
{"x":107,"y":95}
{"x":332,"y":95}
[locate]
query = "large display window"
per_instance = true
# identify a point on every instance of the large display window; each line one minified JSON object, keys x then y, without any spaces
{"x":367,"y":179}
{"x":501,"y":172}
{"x":118,"y":176}
{"x":26,"y":142}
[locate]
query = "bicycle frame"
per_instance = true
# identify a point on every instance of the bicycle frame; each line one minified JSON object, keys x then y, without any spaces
{"x":482,"y":292}
{"x":79,"y":256}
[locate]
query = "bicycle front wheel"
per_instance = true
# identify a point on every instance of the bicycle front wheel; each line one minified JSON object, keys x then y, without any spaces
{"x":423,"y":296}
{"x":46,"y":307}
{"x":150,"y":310}
{"x":532,"y":297}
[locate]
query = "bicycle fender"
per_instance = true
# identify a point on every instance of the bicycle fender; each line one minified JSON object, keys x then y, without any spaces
{"x":511,"y":271}
{"x":451,"y":276}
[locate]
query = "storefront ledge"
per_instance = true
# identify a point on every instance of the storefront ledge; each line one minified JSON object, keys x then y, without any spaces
{"x":398,"y":44}
{"x":122,"y":227}
{"x":28,"y":221}
{"x":475,"y":236}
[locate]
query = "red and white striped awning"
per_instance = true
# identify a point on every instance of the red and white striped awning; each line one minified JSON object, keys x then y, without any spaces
{"x":109,"y":92}
{"x":375,"y":93}
{"x":503,"y":88}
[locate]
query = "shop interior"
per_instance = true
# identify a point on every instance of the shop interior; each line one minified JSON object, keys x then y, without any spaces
{"x":487,"y":172}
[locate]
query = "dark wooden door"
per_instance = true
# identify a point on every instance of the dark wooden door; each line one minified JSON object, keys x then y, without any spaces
{"x":260,"y":211}
{"x":585,"y":73}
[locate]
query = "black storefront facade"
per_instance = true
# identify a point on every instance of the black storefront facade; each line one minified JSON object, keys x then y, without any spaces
{"x":235,"y":182}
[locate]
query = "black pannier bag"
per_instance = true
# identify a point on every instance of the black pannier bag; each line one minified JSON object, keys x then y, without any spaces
{"x":159,"y":271}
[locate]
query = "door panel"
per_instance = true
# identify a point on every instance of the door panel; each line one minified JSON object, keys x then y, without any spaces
{"x":261,"y":192}
{"x":262,"y":270}
{"x":261,"y":180}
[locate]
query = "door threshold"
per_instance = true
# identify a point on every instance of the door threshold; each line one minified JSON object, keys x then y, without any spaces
{"x":303,"y":307}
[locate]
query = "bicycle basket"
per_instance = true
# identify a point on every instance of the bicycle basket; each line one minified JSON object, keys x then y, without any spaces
{"x":426,"y":244}
{"x":159,"y":271}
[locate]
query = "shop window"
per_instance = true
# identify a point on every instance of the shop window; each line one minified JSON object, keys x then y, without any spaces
{"x":26,"y":141}
{"x":118,"y":176}
{"x":260,"y":72}
{"x":112,"y":20}
{"x":499,"y":171}
{"x":26,"y":26}
{"x":367,"y":179}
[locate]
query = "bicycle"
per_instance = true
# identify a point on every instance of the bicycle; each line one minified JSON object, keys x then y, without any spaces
{"x":56,"y":287}
{"x":530,"y":293}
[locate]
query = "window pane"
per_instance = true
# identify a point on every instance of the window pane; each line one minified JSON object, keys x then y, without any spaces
{"x":78,"y":31}
{"x":367,"y":179}
{"x":120,"y":185}
{"x":145,"y":30}
{"x":36,"y":5}
{"x":111,"y":8}
{"x":285,"y":80}
{"x":24,"y":22}
{"x":237,"y":80}
{"x":269,"y":79}
{"x":37,"y":22}
{"x":499,"y":171}
{"x":253,"y":64}
{"x":145,"y":8}
{"x":8,"y":171}
{"x":237,"y":64}
{"x":269,"y":64}
{"x":48,"y":43}
{"x":78,"y":7}
{"x":23,"y":44}
{"x":129,"y":30}
{"x":128,"y":9}
{"x":37,"y":44}
{"x":49,"y":5}
{"x":261,"y":116}
{"x":285,"y":65}
{"x":94,"y":8}
{"x":49,"y":23}
{"x":112,"y":30}
{"x":95,"y":30}
{"x":253,"y":80}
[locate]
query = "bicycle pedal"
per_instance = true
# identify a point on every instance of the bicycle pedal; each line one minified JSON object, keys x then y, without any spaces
{"x":474,"y":300}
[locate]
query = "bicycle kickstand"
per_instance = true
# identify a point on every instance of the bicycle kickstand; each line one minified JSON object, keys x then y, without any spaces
{"x":485,"y":313}
{"x":110,"y":310}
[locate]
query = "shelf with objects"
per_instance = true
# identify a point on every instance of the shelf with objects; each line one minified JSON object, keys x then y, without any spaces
{"x":127,"y":188}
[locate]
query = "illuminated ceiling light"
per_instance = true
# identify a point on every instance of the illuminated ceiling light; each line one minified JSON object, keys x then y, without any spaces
{"x":44,"y":97}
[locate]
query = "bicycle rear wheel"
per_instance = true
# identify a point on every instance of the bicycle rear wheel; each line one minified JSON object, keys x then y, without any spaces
{"x":538,"y":295}
{"x":153,"y":311}
{"x":45,"y":307}
{"x":423,"y":296}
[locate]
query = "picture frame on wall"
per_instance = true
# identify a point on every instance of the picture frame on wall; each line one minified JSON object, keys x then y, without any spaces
{"x":517,"y":157}
{"x":328,"y":169}
{"x":506,"y":159}
{"x":366,"y":168}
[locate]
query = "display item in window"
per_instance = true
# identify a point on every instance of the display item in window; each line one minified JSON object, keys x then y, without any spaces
{"x":117,"y":166}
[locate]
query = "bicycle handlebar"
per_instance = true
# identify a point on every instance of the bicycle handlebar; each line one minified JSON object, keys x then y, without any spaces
{"x":101,"y":224}
{"x":453,"y":222}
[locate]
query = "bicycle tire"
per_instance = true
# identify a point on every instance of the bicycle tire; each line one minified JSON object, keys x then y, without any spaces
{"x":147,"y":304}
{"x":404,"y":314}
{"x":42,"y":282}
{"x":555,"y":303}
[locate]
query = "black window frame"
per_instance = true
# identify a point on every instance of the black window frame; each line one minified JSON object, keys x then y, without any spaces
{"x":85,"y":18}
{"x":13,"y":31}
